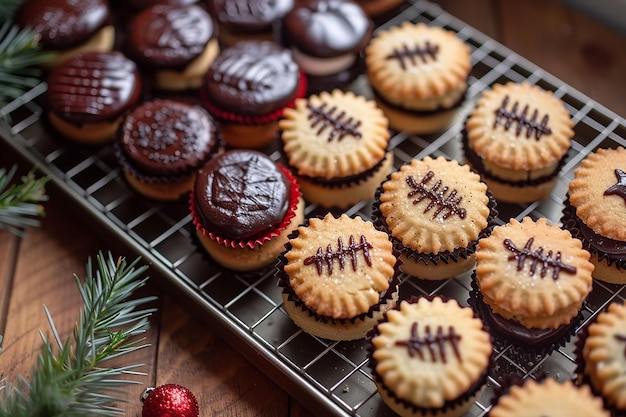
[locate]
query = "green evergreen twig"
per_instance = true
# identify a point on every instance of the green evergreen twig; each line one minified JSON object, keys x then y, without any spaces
{"x":20,"y":57}
{"x":71,"y":378}
{"x":20,"y":204}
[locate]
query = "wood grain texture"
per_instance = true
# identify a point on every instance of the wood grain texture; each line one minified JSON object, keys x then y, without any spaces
{"x":37,"y":269}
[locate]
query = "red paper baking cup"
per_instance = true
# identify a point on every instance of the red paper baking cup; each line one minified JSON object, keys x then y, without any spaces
{"x":294,"y":197}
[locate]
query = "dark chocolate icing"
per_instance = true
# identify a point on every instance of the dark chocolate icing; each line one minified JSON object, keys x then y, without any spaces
{"x":169,"y":36}
{"x":521,"y":120}
{"x":63,"y":24}
{"x":249,"y":15}
{"x":144,"y":4}
{"x":167,"y":137}
{"x":252,"y":78}
{"x":433,"y":342}
{"x":326,"y":257}
{"x":93,"y":87}
{"x":538,"y":258}
{"x":340,"y":126}
{"x":447,"y":205}
{"x":241,"y":194}
{"x":619,"y":189}
{"x":327,"y":28}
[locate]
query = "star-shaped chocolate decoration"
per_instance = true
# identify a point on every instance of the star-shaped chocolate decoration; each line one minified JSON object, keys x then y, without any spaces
{"x":619,"y":188}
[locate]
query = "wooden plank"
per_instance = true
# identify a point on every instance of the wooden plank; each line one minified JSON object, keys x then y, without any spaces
{"x":223,"y":382}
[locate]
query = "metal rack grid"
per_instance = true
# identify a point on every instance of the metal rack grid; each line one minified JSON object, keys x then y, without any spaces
{"x":333,"y":378}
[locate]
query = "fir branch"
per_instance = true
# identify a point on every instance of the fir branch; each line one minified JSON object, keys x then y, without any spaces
{"x":20,"y":204}
{"x":8,"y":8}
{"x":20,"y":58}
{"x":71,"y":378}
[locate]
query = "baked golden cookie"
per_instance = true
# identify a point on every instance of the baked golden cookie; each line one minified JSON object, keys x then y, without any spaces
{"x":517,"y":137}
{"x":419,"y":75}
{"x":548,"y":398}
{"x":595,"y":211}
{"x":435,"y":210}
{"x":336,"y":143}
{"x":603,"y":356}
{"x":430,"y":357}
{"x":531,"y":275}
{"x":338,"y":277}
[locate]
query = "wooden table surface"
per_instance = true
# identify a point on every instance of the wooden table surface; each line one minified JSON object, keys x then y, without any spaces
{"x":37,"y":268}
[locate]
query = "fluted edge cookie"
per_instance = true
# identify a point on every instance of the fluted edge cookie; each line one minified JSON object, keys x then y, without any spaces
{"x":598,"y":192}
{"x":430,"y":354}
{"x":418,"y":67}
{"x":519,"y":127}
{"x":435,"y":210}
{"x":338,"y":275}
{"x":548,"y":397}
{"x":334,"y":134}
{"x":604,"y":355}
{"x":533,"y":272}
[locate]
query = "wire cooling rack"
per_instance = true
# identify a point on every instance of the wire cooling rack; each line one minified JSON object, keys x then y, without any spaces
{"x":332,"y":378}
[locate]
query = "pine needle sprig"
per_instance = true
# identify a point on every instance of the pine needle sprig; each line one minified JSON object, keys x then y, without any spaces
{"x":21,"y":203}
{"x":71,"y":378}
{"x":20,"y":60}
{"x":8,"y":8}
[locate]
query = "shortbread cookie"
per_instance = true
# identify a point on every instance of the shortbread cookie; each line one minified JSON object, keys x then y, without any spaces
{"x":435,"y":211}
{"x":603,"y":355}
{"x":430,"y":357}
{"x":244,"y":206}
{"x":531,"y":275}
{"x":338,"y":276}
{"x":548,"y":398}
{"x":419,"y":75}
{"x":595,"y":211}
{"x":337,"y":145}
{"x":517,"y":137}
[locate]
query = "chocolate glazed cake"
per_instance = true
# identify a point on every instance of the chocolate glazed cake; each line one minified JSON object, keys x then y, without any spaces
{"x":88,"y":94}
{"x":248,"y":19}
{"x":247,"y":88}
{"x":175,"y":43}
{"x":63,"y":23}
{"x":244,"y":206}
{"x":327,"y":38}
{"x":162,"y":143}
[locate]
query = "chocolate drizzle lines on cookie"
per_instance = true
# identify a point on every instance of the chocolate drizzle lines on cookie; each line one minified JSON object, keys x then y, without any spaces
{"x":618,"y":189}
{"x":328,"y":257}
{"x":433,"y":342}
{"x":341,"y":126}
{"x":521,"y":120}
{"x":537,"y":257}
{"x":412,"y":54}
{"x":448,"y":205}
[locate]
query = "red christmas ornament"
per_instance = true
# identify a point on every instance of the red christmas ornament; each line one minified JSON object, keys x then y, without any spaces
{"x":169,"y":400}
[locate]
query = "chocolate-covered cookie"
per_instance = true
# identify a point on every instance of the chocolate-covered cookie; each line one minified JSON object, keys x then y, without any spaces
{"x":241,"y":194}
{"x":68,"y":27}
{"x":177,"y":43}
{"x":327,"y":38}
{"x":244,"y":206}
{"x":88,"y":94}
{"x":248,"y":19}
{"x":248,"y":86}
{"x":162,"y":143}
